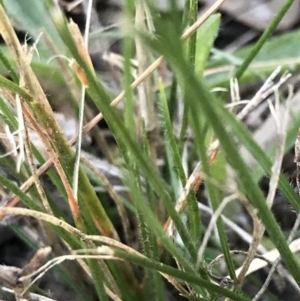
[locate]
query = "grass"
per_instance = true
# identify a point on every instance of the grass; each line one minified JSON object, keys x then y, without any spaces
{"x":161,"y":203}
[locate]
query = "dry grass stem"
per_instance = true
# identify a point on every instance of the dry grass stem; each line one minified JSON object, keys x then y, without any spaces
{"x":212,"y":224}
{"x":80,"y":44}
{"x":11,"y":143}
{"x":256,"y":238}
{"x":21,"y":129}
{"x":234,"y":227}
{"x":225,"y":281}
{"x":271,"y":256}
{"x":234,"y":94}
{"x":58,"y":260}
{"x":34,"y":297}
{"x":32,"y":166}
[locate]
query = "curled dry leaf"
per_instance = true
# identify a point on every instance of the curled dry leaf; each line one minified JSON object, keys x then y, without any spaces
{"x":258,"y":14}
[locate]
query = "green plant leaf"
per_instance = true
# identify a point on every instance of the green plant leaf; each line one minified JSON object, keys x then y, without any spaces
{"x":206,"y":35}
{"x":32,"y":16}
{"x":283,"y":50}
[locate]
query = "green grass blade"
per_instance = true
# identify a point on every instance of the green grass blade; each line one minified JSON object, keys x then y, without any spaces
{"x":9,"y":67}
{"x":153,"y":282}
{"x":6,"y":83}
{"x":262,"y":40}
{"x":158,"y":231}
{"x":184,"y":276}
{"x":18,"y":192}
{"x":169,"y":134}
